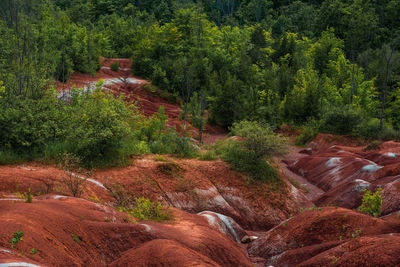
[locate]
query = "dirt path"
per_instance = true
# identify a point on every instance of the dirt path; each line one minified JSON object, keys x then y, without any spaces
{"x":313,"y":191}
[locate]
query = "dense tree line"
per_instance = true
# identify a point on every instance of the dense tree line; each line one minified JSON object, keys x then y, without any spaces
{"x":332,"y":65}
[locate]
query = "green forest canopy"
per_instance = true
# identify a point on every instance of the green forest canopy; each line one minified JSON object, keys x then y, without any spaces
{"x":333,"y":64}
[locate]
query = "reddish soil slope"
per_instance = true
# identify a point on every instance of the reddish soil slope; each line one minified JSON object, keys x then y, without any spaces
{"x":223,"y":199}
{"x":194,"y":186}
{"x":342,"y":172}
{"x":133,"y":87}
{"x":71,"y":231}
{"x":313,"y":237}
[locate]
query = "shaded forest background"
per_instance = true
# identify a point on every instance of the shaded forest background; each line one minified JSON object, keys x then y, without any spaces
{"x":330,"y":65}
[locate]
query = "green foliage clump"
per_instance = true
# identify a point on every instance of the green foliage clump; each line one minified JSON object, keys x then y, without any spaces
{"x":260,"y":139}
{"x":372,"y":203}
{"x":76,"y":238}
{"x":308,"y":133}
{"x":247,"y":161}
{"x":27,"y":196}
{"x":100,"y":128}
{"x":171,"y":143}
{"x":168,"y":168}
{"x":115,"y":66}
{"x":145,"y":209}
{"x":17,"y":236}
{"x":341,"y":120}
{"x":208,"y":155}
{"x":166,"y":141}
{"x":249,"y":154}
{"x":96,"y":126}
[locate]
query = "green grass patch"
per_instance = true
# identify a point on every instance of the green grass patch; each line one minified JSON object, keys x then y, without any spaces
{"x":145,"y":209}
{"x":208,"y":155}
{"x":168,"y":168}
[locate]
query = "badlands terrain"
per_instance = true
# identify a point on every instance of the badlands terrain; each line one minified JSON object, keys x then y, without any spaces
{"x":216,"y":216}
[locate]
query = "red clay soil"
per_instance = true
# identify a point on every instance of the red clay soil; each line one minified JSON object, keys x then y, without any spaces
{"x":44,"y":179}
{"x":75,"y":232}
{"x":10,"y":258}
{"x":194,"y":186}
{"x":197,"y":186}
{"x":147,"y":102}
{"x":324,"y":141}
{"x":343,"y":172}
{"x":163,"y":251}
{"x":311,"y":191}
{"x":374,"y":251}
{"x":312,"y":232}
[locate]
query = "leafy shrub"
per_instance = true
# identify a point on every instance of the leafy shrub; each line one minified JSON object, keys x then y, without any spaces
{"x":389,"y":133}
{"x":145,"y":209}
{"x":341,"y":120}
{"x":100,"y":128}
{"x":247,"y":161}
{"x":308,"y":133}
{"x":171,"y":143}
{"x":260,"y":139}
{"x":17,"y":236}
{"x":96,"y":126}
{"x":27,"y":196}
{"x":372,"y":203}
{"x":115,"y":66}
{"x":26,"y":125}
{"x":249,"y":154}
{"x":369,"y":129}
{"x":11,"y":157}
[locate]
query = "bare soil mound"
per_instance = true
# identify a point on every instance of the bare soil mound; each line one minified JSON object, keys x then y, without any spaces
{"x":191,"y":185}
{"x":311,"y":233}
{"x":162,"y":252}
{"x":72,"y":231}
{"x":197,"y":186}
{"x":343,"y":172}
{"x":381,"y":250}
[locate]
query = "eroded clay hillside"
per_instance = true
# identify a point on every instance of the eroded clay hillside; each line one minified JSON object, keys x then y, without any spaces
{"x":214,"y":216}
{"x":214,"y":210}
